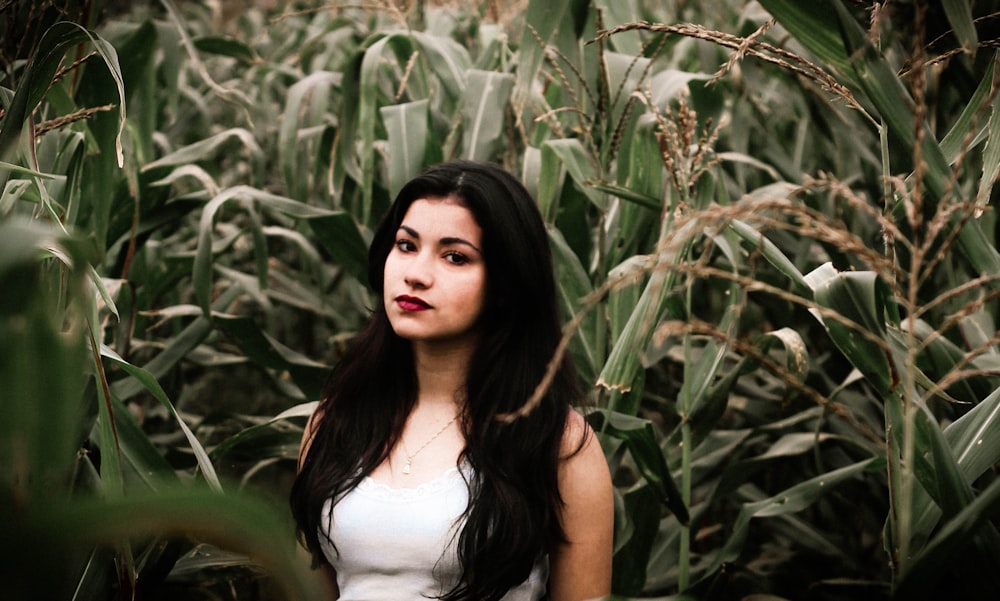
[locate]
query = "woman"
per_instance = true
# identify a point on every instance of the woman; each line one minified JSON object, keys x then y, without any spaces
{"x":410,"y":484}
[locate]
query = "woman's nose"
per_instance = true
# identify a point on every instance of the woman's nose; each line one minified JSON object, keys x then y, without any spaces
{"x":418,"y":272}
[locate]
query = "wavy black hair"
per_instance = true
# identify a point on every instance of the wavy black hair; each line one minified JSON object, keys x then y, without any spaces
{"x":513,"y":516}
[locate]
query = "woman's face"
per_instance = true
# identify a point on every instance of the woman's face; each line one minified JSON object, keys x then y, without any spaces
{"x":435,"y":275}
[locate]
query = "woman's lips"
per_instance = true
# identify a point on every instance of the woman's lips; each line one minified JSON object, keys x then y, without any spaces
{"x":411,"y":303}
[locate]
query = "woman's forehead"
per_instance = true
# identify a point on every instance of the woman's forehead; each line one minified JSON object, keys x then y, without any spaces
{"x":438,"y":215}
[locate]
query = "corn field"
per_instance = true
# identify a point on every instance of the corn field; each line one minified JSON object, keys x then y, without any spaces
{"x":776,"y":254}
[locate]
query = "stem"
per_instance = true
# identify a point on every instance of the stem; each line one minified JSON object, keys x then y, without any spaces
{"x":685,"y":535}
{"x":684,"y":567}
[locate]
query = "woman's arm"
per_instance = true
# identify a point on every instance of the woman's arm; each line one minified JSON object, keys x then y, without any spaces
{"x":581,"y":568}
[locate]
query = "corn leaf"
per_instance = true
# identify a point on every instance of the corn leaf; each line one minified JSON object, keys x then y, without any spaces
{"x":37,"y":77}
{"x":991,"y":158}
{"x":178,"y":348}
{"x":810,"y":23}
{"x":225,"y":46}
{"x":542,"y":19}
{"x":574,"y":288}
{"x":959,"y":13}
{"x":787,"y":502}
{"x":952,"y":143}
{"x":640,"y":440}
{"x":757,"y":242}
{"x":341,"y":236}
{"x":487,"y":94}
{"x":304,"y":107}
{"x":207,"y":149}
{"x":859,"y":300}
{"x":580,"y":167}
{"x":154,"y":388}
{"x":238,"y":522}
{"x":948,"y":543}
{"x":265,"y":351}
{"x":406,"y":127}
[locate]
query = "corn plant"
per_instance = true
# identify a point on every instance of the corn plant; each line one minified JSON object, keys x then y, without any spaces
{"x":876,"y":308}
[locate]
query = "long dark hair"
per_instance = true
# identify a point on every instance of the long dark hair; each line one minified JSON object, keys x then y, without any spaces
{"x":513,"y":516}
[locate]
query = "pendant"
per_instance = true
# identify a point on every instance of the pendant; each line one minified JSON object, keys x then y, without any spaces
{"x":406,"y":468}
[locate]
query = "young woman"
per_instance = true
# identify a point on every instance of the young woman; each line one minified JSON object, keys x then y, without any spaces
{"x":411,"y":485}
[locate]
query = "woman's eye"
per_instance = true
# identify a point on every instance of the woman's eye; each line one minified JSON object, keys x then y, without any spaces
{"x":405,"y":245}
{"x":456,"y":258}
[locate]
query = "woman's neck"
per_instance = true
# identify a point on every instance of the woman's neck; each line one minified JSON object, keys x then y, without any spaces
{"x":442,"y":371}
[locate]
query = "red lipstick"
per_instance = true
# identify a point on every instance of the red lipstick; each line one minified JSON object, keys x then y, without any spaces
{"x":411,"y":303}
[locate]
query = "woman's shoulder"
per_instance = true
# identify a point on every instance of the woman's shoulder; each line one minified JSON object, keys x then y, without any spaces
{"x":576,"y":433}
{"x":580,"y":446}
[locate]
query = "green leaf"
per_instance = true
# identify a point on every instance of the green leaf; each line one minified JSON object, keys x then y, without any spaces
{"x":112,"y":478}
{"x":641,"y":441}
{"x":574,"y":288}
{"x":340,"y":235}
{"x":796,"y":354}
{"x":177,"y":349}
{"x":789,"y":501}
{"x":225,"y":46}
{"x":991,"y":157}
{"x":947,"y":545}
{"x":238,"y":522}
{"x":888,"y":94}
{"x":43,"y":363}
{"x":141,"y":460}
{"x":202,"y":271}
{"x":580,"y":167}
{"x":959,"y":13}
{"x":371,"y":65}
{"x":207,"y":149}
{"x":36,"y":80}
{"x":757,"y":241}
{"x":636,"y":543}
{"x":447,"y":59}
{"x":265,"y":351}
{"x":550,"y":180}
{"x":643,"y":200}
{"x":300,"y":410}
{"x":487,"y":94}
{"x":975,"y":437}
{"x":406,"y":126}
{"x":953,"y":141}
{"x":859,"y":302}
{"x":154,"y":388}
{"x":305,"y":107}
{"x":873,"y":74}
{"x":542,"y":19}
{"x":623,"y":365}
{"x":631,"y":225}
{"x":937,"y":469}
{"x":937,"y":357}
{"x":810,"y":24}
{"x":279,"y":442}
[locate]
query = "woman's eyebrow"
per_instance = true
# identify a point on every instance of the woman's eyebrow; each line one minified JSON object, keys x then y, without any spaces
{"x":447,"y":241}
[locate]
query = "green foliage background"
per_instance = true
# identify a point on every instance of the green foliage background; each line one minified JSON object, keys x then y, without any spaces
{"x":776,"y":251}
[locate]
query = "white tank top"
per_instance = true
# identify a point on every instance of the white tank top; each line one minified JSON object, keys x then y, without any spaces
{"x":399,"y":544}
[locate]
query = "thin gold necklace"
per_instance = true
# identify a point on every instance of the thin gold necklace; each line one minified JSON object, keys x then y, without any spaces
{"x":409,"y":457}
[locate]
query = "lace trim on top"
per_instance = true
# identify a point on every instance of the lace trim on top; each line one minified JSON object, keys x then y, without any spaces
{"x":382,"y":491}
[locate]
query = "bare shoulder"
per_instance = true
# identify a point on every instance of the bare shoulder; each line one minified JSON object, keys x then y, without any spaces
{"x":579,"y":443}
{"x":583,"y":469}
